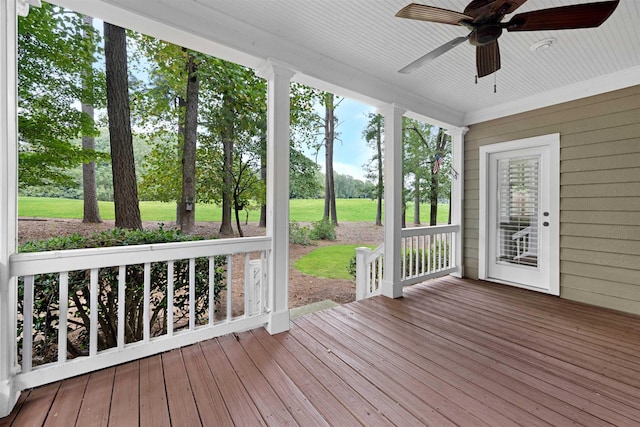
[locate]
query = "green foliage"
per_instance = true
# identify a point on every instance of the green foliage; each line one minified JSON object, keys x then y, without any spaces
{"x":46,"y":300}
{"x":352,"y":267}
{"x":305,"y":179}
{"x":331,"y":262}
{"x":104,"y":181}
{"x":300,"y":235}
{"x":323,"y":230}
{"x":347,"y":187}
{"x":56,"y":52}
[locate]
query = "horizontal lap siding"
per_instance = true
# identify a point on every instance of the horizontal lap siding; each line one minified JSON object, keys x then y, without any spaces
{"x":599,"y":193}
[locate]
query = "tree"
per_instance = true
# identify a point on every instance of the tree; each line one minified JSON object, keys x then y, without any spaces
{"x":54,"y":47}
{"x":442,"y":149}
{"x":125,"y":190}
{"x":373,"y":136}
{"x":416,"y":159}
{"x":91,"y":212}
{"x":187,"y":206}
{"x":304,"y":177}
{"x":330,"y":212}
{"x":423,"y":144}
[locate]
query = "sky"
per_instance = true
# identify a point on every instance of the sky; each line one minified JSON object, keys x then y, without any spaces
{"x":350,"y":150}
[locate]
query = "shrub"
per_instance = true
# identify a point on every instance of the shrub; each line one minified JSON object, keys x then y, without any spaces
{"x":351,"y":268}
{"x":300,"y":235}
{"x":46,"y":298}
{"x":323,"y":230}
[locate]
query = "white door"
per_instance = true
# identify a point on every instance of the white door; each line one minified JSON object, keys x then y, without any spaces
{"x":520,"y":213}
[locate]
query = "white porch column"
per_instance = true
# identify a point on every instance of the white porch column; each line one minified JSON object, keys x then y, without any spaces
{"x":391,"y":286}
{"x":457,"y":194}
{"x":278,"y":107}
{"x":8,"y":202}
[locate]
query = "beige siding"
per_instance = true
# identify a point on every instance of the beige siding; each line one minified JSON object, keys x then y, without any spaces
{"x":600,"y":193}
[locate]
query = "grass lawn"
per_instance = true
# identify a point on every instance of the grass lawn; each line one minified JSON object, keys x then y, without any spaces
{"x":331,"y":262}
{"x":301,"y":210}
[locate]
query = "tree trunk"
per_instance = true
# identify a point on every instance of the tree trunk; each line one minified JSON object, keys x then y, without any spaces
{"x":227,"y":170}
{"x":90,"y":193}
{"x":403,"y":223}
{"x":237,"y":211}
{"x":330,"y":211}
{"x":125,"y":191}
{"x":416,"y":202}
{"x":380,"y":189}
{"x":188,"y":211}
{"x":263,"y":177}
{"x":433,"y":196}
{"x":182,"y":107}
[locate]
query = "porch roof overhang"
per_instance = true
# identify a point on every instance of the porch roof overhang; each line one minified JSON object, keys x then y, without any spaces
{"x":355,"y":49}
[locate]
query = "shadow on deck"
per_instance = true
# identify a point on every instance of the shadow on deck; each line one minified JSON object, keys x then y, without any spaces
{"x":451,"y":352}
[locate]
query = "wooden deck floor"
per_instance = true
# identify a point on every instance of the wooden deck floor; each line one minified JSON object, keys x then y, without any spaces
{"x":450,"y":352}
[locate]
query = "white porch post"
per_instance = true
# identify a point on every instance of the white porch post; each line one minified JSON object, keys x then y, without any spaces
{"x":278,"y":107}
{"x":393,"y":185}
{"x":8,"y":203}
{"x":457,"y":194}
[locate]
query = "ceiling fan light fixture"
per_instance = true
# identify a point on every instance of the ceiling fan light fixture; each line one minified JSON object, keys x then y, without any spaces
{"x":542,"y":44}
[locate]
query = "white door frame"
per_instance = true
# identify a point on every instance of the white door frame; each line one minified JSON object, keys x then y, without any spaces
{"x":552,"y":141}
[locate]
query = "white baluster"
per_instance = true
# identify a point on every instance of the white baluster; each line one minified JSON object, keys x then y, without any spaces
{"x":122,"y":299}
{"x":93,"y":312}
{"x":63,"y":312}
{"x":27,"y":324}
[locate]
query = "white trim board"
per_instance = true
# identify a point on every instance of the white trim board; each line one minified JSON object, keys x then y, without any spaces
{"x":603,"y":84}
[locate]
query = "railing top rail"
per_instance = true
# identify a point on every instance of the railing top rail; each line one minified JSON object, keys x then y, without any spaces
{"x":426,"y":231}
{"x":23,"y":264}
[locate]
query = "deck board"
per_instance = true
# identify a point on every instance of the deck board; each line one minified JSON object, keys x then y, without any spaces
{"x":274,"y":411}
{"x":182,"y":405}
{"x":451,"y":352}
{"x":125,"y":405}
{"x":320,"y":397}
{"x":66,"y":406}
{"x":36,"y":407}
{"x":205,"y":389}
{"x":154,"y":410}
{"x":96,"y":404}
{"x":240,"y":406}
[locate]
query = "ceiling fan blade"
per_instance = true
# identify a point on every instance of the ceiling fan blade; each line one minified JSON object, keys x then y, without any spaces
{"x":488,"y":59}
{"x":422,"y":12}
{"x":587,"y":15}
{"x":484,"y":8}
{"x":433,"y":55}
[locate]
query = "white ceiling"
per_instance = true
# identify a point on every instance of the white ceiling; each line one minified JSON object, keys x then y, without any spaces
{"x":356,"y":47}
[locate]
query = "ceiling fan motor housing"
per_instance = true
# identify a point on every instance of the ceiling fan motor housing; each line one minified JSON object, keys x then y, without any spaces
{"x":485,"y":34}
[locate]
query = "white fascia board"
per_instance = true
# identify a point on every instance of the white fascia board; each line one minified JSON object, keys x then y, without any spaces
{"x":225,"y":37}
{"x":603,"y":84}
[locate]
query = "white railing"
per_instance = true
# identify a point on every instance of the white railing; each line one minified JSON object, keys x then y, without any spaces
{"x":199,"y":297}
{"x":426,"y":253}
{"x":369,"y":272}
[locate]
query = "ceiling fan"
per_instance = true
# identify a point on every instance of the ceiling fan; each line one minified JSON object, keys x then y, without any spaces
{"x":484,"y":19}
